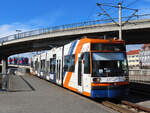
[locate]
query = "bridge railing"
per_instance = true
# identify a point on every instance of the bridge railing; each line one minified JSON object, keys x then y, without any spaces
{"x":51,"y":30}
{"x":60,"y":28}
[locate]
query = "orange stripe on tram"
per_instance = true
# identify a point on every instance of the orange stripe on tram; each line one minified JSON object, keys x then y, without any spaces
{"x":109,"y":84}
{"x":67,"y":79}
{"x":86,"y":93}
{"x":69,"y":74}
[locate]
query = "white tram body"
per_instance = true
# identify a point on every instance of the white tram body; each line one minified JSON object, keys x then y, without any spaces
{"x":93,"y":67}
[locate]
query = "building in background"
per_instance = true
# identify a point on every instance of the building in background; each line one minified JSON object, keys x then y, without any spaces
{"x":144,"y":56}
{"x":18,"y":60}
{"x":133,"y":58}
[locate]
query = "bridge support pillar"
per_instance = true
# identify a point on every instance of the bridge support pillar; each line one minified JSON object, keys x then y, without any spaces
{"x":4,"y":65}
{"x":4,"y":72}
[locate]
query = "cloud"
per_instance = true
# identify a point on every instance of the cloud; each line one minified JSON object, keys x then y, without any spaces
{"x":45,"y":20}
{"x":9,"y":29}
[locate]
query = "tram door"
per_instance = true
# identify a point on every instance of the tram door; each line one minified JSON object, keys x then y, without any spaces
{"x":80,"y":73}
{"x":58,"y":72}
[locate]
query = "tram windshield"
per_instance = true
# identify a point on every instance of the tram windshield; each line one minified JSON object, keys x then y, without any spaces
{"x":109,"y":64}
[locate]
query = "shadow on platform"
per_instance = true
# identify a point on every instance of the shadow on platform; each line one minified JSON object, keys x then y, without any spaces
{"x":19,"y":84}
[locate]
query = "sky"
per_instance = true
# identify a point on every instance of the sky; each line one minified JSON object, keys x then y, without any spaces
{"x":27,"y":15}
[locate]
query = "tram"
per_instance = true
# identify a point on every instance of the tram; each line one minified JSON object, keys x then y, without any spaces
{"x":96,"y":68}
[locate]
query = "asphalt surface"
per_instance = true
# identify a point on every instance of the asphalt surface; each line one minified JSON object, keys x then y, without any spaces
{"x":30,"y":94}
{"x":18,"y":84}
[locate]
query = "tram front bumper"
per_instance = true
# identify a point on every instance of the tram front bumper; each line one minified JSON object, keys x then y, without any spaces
{"x":113,"y":91}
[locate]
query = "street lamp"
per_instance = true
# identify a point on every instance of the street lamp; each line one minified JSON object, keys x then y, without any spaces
{"x":18,"y":31}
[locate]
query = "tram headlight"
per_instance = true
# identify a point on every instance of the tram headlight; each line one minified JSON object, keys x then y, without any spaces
{"x":125,"y":78}
{"x":96,"y":80}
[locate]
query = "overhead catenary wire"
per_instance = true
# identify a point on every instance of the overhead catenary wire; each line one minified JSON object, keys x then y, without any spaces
{"x":132,"y":3}
{"x":103,"y":15}
{"x":120,"y":7}
{"x":122,"y":2}
{"x":130,"y":17}
{"x":115,"y":6}
{"x":107,"y":13}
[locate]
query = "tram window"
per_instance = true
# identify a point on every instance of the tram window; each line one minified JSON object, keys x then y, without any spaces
{"x":32,"y":64}
{"x":66,"y":62}
{"x":52,"y":65}
{"x":42,"y":65}
{"x":110,"y":47}
{"x":54,"y":56}
{"x":72,"y":64}
{"x":69,"y":63}
{"x":36,"y":65}
{"x":47,"y":65}
{"x":59,"y":69}
{"x":87,"y":63}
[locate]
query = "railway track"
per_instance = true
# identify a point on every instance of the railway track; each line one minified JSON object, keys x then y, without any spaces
{"x":126,"y":107}
{"x":140,"y":92}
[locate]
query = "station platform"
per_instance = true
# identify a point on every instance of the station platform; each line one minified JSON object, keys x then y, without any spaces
{"x":29,"y":94}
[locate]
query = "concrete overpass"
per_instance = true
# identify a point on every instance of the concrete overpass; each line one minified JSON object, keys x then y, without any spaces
{"x":134,"y":32}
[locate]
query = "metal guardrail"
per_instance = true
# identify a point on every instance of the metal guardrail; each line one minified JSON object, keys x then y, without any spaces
{"x":139,"y":75}
{"x":139,"y":72}
{"x":51,"y":30}
{"x":60,"y":28}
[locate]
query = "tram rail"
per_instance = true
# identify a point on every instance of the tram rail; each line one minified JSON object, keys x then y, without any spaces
{"x":139,"y":92}
{"x":139,"y":88}
{"x":126,"y":107}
